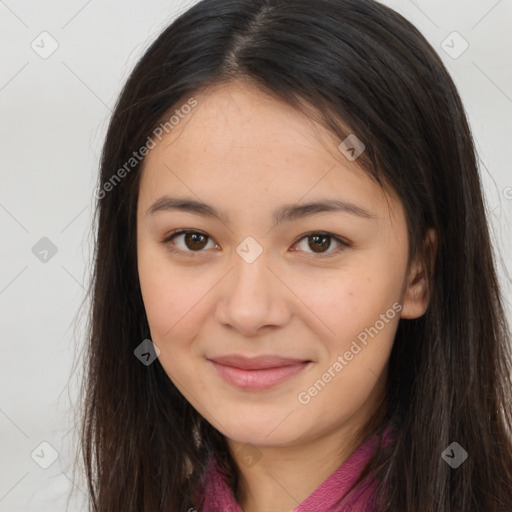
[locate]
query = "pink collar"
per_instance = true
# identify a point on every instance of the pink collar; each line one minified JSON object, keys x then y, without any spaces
{"x":219,"y":497}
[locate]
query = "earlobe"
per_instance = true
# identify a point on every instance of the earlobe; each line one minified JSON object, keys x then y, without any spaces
{"x":416,"y":296}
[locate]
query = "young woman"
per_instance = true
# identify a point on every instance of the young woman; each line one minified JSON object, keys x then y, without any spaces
{"x":295,"y":301}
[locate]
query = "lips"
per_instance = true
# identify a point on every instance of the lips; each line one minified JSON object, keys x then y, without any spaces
{"x":257,"y":373}
{"x":256,"y":363}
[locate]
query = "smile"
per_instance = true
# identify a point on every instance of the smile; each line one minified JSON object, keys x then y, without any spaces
{"x":257,"y":374}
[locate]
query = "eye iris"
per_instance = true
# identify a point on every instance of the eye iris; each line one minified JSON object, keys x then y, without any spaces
{"x":324,"y":244}
{"x":194,"y":238}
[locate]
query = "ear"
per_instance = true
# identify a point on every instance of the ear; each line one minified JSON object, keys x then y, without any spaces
{"x":415,"y":298}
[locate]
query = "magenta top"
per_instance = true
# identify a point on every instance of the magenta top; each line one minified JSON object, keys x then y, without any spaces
{"x":220,"y":498}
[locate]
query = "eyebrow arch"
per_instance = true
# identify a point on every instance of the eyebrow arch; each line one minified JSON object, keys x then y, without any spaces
{"x":283,"y":214}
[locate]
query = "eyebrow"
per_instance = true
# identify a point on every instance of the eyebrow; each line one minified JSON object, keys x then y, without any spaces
{"x":285,"y":213}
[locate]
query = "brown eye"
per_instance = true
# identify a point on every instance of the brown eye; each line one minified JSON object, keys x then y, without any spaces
{"x":195,"y":241}
{"x":318,"y":243}
{"x":191,"y":241}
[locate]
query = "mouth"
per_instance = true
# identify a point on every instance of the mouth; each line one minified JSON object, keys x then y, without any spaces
{"x":257,"y":373}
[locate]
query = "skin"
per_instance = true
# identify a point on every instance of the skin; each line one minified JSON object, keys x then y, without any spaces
{"x":246,"y":153}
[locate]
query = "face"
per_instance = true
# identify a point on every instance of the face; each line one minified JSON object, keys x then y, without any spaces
{"x":275,"y":321}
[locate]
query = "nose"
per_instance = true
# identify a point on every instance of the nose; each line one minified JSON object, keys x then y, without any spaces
{"x":253,"y":297}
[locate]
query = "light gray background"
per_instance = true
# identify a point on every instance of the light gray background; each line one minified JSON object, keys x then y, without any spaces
{"x":54,"y":114}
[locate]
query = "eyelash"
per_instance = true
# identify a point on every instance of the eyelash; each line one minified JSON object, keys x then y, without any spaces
{"x":343,"y":245}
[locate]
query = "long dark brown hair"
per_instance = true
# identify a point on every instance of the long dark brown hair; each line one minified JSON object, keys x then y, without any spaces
{"x":358,"y":67}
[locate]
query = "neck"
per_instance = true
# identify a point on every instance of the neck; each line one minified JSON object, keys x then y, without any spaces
{"x":284,"y":477}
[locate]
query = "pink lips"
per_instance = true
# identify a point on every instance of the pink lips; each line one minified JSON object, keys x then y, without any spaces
{"x":261,"y":372}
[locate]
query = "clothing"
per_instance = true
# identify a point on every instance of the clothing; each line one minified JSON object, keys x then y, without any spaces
{"x":220,"y":498}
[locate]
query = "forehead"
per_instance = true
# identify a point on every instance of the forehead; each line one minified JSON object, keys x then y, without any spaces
{"x":236,"y":117}
{"x":240,"y":142}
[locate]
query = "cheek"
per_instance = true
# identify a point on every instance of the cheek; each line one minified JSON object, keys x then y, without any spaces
{"x":364,"y":324}
{"x":358,"y":309}
{"x":349,"y":302}
{"x":171,"y":300}
{"x":175,"y":314}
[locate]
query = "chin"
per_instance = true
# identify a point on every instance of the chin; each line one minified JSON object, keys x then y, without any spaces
{"x":260,"y":429}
